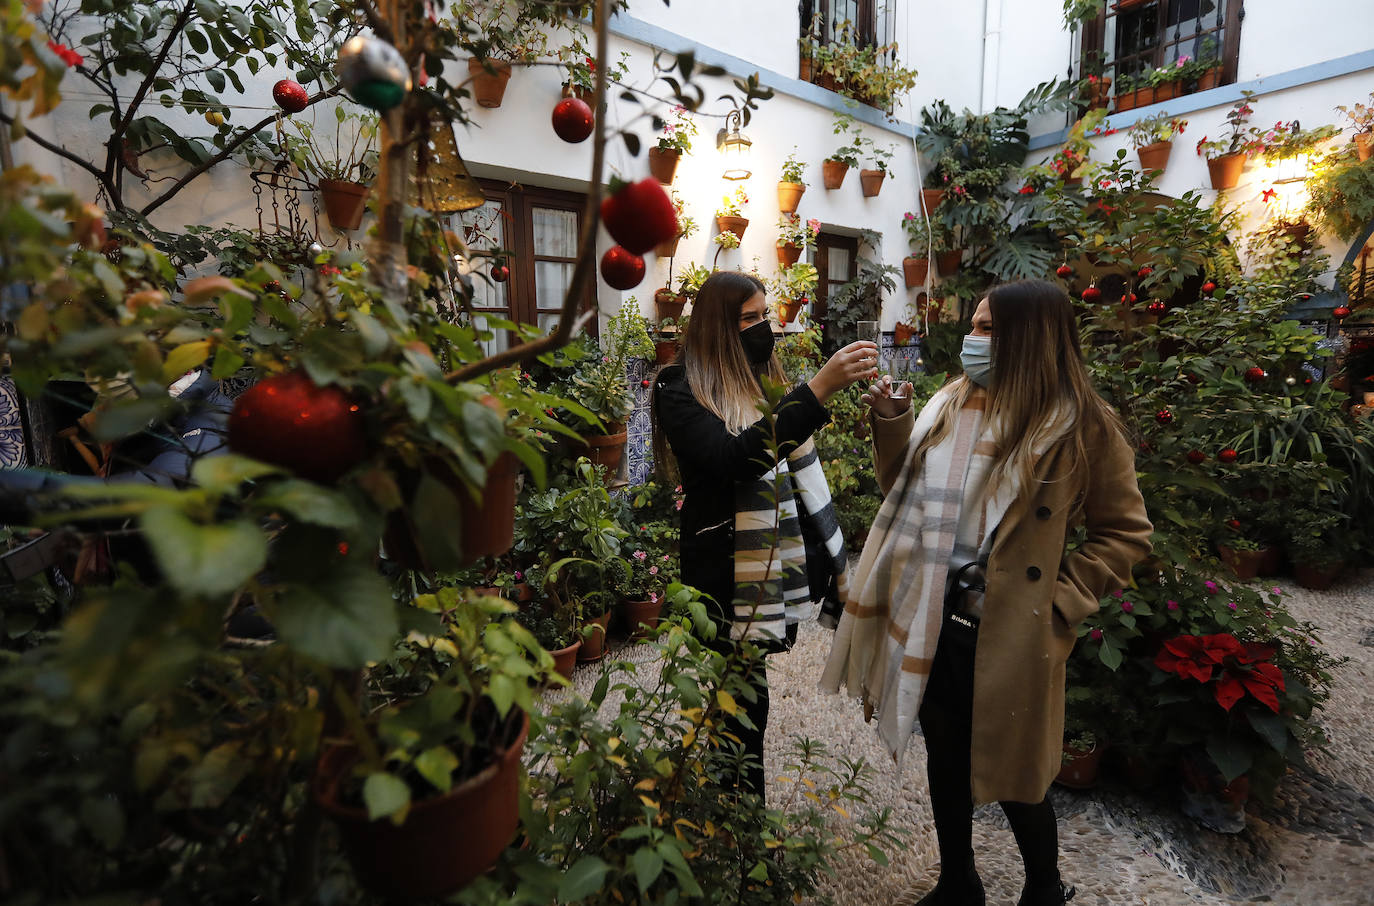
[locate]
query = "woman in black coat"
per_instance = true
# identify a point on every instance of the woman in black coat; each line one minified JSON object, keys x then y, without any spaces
{"x":706,"y":409}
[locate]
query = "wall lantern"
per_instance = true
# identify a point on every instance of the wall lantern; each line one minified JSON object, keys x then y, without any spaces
{"x":734,"y":148}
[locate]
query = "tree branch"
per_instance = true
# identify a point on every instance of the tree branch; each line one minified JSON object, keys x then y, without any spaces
{"x":224,"y":153}
{"x":61,"y":152}
{"x":117,"y":136}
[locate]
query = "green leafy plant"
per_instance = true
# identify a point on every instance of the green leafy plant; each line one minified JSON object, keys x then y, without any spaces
{"x":1341,"y":194}
{"x":852,"y":151}
{"x":1243,"y":138}
{"x":796,"y":281}
{"x":1158,"y":128}
{"x":352,"y":156}
{"x":598,"y":381}
{"x":1078,"y":12}
{"x":867,"y":72}
{"x":692,"y":277}
{"x":880,"y":156}
{"x":793,"y":169}
{"x":795,"y":231}
{"x":677,"y":134}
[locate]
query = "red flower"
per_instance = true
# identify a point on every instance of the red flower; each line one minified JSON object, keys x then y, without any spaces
{"x":69,"y":56}
{"x":1263,"y":681}
{"x":1026,"y":190}
{"x":1268,"y":195}
{"x":1237,"y":667}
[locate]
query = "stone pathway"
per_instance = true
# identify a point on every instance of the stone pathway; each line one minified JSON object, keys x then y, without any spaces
{"x":1313,"y":847}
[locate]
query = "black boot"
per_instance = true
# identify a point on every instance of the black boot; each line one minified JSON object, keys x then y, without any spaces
{"x":1056,"y":895}
{"x":966,"y":890}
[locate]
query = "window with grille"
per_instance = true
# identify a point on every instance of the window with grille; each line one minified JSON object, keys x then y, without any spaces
{"x":1129,"y":38}
{"x":864,"y":23}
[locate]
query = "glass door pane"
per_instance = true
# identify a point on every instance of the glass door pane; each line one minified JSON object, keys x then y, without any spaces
{"x":483,"y":229}
{"x":555,"y":255}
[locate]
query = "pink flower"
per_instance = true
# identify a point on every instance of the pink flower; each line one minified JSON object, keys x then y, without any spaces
{"x":908,"y":216}
{"x":640,"y":555}
{"x":519,"y":575}
{"x":959,"y":190}
{"x":1231,"y":604}
{"x":1092,"y":79}
{"x":1127,"y":606}
{"x":1096,"y":635}
{"x":1210,"y":586}
{"x":1117,"y":594}
{"x":653,"y":570}
{"x":677,"y":505}
{"x":1171,"y":605}
{"x":1277,"y":590}
{"x":665,"y":558}
{"x":653,"y":597}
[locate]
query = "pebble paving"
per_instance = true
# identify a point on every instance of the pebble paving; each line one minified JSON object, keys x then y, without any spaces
{"x":1313,"y":846}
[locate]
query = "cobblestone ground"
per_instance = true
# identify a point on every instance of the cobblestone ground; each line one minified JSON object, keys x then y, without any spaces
{"x":1313,"y":847}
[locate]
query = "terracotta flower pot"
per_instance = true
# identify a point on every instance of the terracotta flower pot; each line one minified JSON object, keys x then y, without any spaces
{"x":1209,"y":79}
{"x":789,"y":253}
{"x":565,"y":659}
{"x":931,"y":198}
{"x":586,"y":95}
{"x":902,"y":333}
{"x":947,"y":263}
{"x":1225,"y":170}
{"x":444,"y":843}
{"x":488,"y":527}
{"x":914,"y":271}
{"x":734,"y":224}
{"x":788,"y":309}
{"x":832,"y":173}
{"x":663,"y":164}
{"x":1245,"y":564}
{"x":594,"y":640}
{"x":1364,"y":145}
{"x":668,"y":304}
{"x":488,"y":88}
{"x":789,"y":196}
{"x":668,"y":247}
{"x":665,"y":351}
{"x":1319,"y":578}
{"x":1209,"y":799}
{"x":1155,"y":156}
{"x":1165,"y":91}
{"x":605,"y":449}
{"x":344,"y":202}
{"x":639,"y":614}
{"x":1080,"y":769}
{"x":872,"y":181}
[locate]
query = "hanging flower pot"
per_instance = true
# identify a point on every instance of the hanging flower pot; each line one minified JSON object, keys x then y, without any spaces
{"x":663,"y":164}
{"x":1154,"y":156}
{"x":914,"y":271}
{"x":789,"y":253}
{"x":488,"y":88}
{"x":947,"y":263}
{"x":594,"y":639}
{"x":606,"y":449}
{"x":668,"y":304}
{"x":931,"y":198}
{"x":586,"y":95}
{"x":789,"y":196}
{"x":872,"y":181}
{"x":902,"y":333}
{"x":344,"y":203}
{"x":444,"y":843}
{"x":488,"y":527}
{"x":667,"y":248}
{"x":641,"y":617}
{"x":832,"y":173}
{"x":665,"y":351}
{"x":1080,"y":768}
{"x":788,"y":309}
{"x":1364,"y":145}
{"x":734,"y":224}
{"x":1225,"y":170}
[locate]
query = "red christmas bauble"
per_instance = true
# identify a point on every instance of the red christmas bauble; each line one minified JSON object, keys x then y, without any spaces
{"x":1196,"y":456}
{"x":1157,"y":306}
{"x":290,"y":96}
{"x":1341,"y":311}
{"x":500,"y":273}
{"x":1145,"y":271}
{"x":1092,"y":294}
{"x":1227,"y":455}
{"x":639,"y":215}
{"x":1209,"y":287}
{"x":573,"y":120}
{"x":1233,"y":523}
{"x":1064,"y":270}
{"x":1254,"y":374}
{"x":1164,"y":416}
{"x":288,"y":420}
{"x":621,"y":268}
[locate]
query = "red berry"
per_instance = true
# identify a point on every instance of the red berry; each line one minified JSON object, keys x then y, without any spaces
{"x":1209,"y":287}
{"x":1133,"y":298}
{"x":1196,"y":456}
{"x":1254,"y":374}
{"x":288,"y":420}
{"x":1145,"y":271}
{"x":290,"y":96}
{"x":1092,"y":294}
{"x":500,"y":273}
{"x":1227,"y":455}
{"x":1164,"y":416}
{"x":1064,"y":270}
{"x":639,"y":215}
{"x":1157,"y":306}
{"x":1341,"y":311}
{"x":573,"y":120}
{"x":621,"y":268}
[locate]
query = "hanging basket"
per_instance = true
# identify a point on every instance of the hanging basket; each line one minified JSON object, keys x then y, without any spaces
{"x":488,"y":88}
{"x":789,"y":196}
{"x":344,"y":203}
{"x":663,"y":164}
{"x":832,"y":173}
{"x":914,"y":271}
{"x":1155,"y":156}
{"x":789,"y":253}
{"x":1225,"y":170}
{"x":872,"y":182}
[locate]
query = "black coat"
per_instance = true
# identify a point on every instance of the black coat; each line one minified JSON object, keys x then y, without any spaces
{"x":711,"y":461}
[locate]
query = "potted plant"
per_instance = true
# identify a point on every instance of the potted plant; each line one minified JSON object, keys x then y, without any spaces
{"x":872,"y":180}
{"x":1153,"y":139}
{"x":837,"y":164}
{"x":598,"y":382}
{"x":791,"y":186}
{"x":1226,"y":156}
{"x":730,"y":215}
{"x":916,"y":266}
{"x":792,"y":288}
{"x":424,"y":786}
{"x":674,"y":140}
{"x":1245,"y":556}
{"x":855,"y":67}
{"x":512,"y":33}
{"x":1082,"y":760}
{"x":1340,"y":195}
{"x":343,"y":171}
{"x":1313,"y":540}
{"x":556,"y":628}
{"x":723,"y":240}
{"x":692,"y":277}
{"x":639,"y":578}
{"x":794,"y":237}
{"x":667,"y":339}
{"x":686,"y":226}
{"x":1361,"y":119}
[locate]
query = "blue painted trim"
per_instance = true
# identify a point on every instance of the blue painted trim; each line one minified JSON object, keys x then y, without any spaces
{"x":1228,"y":94}
{"x":642,"y":32}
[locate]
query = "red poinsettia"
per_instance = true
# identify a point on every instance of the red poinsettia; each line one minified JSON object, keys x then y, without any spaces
{"x":1234,"y":667}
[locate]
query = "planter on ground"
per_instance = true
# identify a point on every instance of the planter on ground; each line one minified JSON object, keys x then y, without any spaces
{"x":1246,"y":564}
{"x":1080,"y":768}
{"x":565,"y":659}
{"x":606,"y":449}
{"x":488,"y":88}
{"x":1317,"y":577}
{"x":640,"y":614}
{"x":594,"y":640}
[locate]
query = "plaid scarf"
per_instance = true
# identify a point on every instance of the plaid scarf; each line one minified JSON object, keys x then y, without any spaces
{"x":771,"y":578}
{"x":886,"y":639}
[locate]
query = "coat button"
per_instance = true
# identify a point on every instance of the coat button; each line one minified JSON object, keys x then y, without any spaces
{"x":1042,"y":513}
{"x":1033,"y":572}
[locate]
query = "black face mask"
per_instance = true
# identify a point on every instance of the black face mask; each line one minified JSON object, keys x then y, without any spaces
{"x":757,"y":341}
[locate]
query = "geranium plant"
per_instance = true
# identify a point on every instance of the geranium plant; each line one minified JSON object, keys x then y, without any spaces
{"x":677,"y":134}
{"x":793,"y":169}
{"x":1243,"y":138}
{"x":792,"y":230}
{"x":1154,"y":129}
{"x":732,"y":205}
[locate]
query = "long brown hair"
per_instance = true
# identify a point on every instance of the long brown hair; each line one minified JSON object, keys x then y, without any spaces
{"x":1038,"y":381}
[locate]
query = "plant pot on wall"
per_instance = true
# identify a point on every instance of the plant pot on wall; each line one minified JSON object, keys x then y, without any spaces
{"x":663,"y":164}
{"x":488,"y":88}
{"x":947,"y":263}
{"x":586,"y":95}
{"x":872,"y":181}
{"x":788,"y":309}
{"x":668,"y":304}
{"x":1364,"y":145}
{"x":668,"y":247}
{"x":902,"y":333}
{"x":344,"y":203}
{"x":931,"y":198}
{"x":734,"y":224}
{"x":789,"y":196}
{"x":832,"y":173}
{"x":1225,"y":170}
{"x":444,"y":843}
{"x":914,"y":271}
{"x":665,"y":351}
{"x":789,"y":253}
{"x":1155,"y":156}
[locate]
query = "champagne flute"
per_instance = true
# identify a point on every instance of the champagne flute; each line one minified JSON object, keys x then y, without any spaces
{"x":900,"y":389}
{"x":869,"y":330}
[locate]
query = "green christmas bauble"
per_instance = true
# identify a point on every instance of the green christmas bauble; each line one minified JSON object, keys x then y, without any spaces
{"x":373,"y":72}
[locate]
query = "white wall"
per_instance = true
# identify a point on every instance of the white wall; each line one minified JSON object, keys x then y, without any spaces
{"x":1279,"y":35}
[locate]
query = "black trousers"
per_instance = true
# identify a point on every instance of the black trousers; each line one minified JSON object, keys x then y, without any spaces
{"x":752,"y":776}
{"x":946,"y":717}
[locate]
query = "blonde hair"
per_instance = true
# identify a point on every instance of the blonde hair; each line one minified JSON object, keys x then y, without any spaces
{"x":1038,"y":383}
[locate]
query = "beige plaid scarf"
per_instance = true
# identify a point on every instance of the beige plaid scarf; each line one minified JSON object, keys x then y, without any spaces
{"x":886,"y":639}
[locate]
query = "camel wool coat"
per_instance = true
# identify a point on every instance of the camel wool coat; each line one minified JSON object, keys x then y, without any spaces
{"x":1037,"y":594}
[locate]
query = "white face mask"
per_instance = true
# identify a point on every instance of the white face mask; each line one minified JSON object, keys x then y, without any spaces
{"x":976,"y":357}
